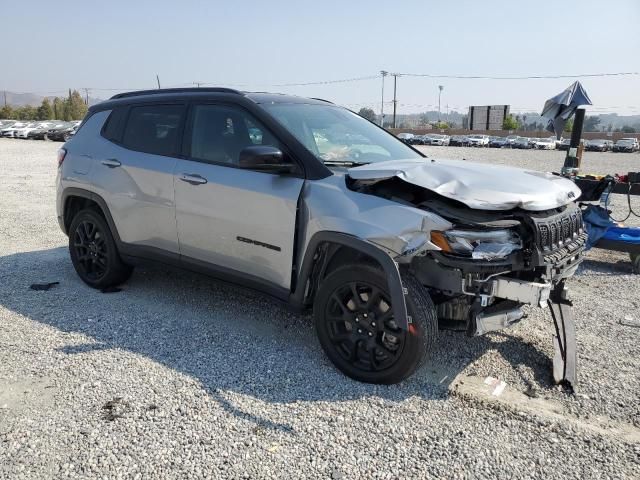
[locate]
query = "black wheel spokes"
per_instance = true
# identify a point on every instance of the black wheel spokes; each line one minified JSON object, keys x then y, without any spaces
{"x":91,"y":250}
{"x":362,"y":328}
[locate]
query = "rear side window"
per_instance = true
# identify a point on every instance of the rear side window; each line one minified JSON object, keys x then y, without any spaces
{"x":153,"y":129}
{"x":113,"y":126}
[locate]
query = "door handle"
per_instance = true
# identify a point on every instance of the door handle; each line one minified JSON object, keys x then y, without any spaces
{"x":193,"y":179}
{"x":111,"y":163}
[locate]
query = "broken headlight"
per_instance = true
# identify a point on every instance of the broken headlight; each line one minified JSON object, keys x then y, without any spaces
{"x":480,"y":244}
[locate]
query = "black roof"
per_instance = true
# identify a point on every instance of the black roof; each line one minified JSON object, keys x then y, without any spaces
{"x":205,"y":92}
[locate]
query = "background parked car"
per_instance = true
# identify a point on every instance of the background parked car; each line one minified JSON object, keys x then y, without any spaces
{"x":597,"y":145}
{"x":564,"y":144}
{"x":62,"y":134}
{"x":440,"y":140}
{"x":458,"y":141}
{"x":478,"y":140}
{"x":634,"y":141}
{"x":623,"y":145}
{"x":406,"y":137}
{"x":10,"y":130}
{"x":544,"y":143}
{"x":500,"y":142}
{"x":40,"y":133}
{"x":523,"y":143}
{"x":24,"y":132}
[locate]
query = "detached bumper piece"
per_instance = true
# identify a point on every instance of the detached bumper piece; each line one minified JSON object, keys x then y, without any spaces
{"x":564,"y":340}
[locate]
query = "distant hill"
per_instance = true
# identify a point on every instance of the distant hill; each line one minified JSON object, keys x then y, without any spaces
{"x":22,"y":99}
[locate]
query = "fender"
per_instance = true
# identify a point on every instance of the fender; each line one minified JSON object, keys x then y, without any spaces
{"x":79,"y":192}
{"x":389,"y":266}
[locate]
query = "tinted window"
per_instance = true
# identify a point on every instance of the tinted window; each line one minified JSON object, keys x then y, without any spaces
{"x":113,"y":125}
{"x":153,"y":129}
{"x":220,"y":132}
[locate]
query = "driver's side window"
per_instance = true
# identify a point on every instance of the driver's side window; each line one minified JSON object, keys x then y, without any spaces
{"x":219,"y":133}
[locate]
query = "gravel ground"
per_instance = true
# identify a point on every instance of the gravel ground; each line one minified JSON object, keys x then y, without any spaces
{"x":181,"y":376}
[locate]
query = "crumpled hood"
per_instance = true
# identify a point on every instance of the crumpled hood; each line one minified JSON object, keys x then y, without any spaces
{"x":479,"y":186}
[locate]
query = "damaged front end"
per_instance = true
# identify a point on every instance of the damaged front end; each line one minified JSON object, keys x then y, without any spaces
{"x":490,"y":263}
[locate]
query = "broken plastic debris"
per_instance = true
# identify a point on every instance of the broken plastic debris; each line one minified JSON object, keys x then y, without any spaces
{"x":497,"y":386}
{"x":43,"y":286}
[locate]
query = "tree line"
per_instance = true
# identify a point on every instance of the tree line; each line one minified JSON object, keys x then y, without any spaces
{"x":67,"y":108}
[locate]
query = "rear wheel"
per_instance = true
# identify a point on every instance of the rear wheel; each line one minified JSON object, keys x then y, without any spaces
{"x":94,"y":253}
{"x":355,"y":323}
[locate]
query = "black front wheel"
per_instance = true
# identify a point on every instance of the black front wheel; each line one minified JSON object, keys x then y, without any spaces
{"x":355,"y":323}
{"x":93,"y":251}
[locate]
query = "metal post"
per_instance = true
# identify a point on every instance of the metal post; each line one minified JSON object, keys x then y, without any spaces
{"x":574,"y":154}
{"x":395,"y":101}
{"x":384,"y":73}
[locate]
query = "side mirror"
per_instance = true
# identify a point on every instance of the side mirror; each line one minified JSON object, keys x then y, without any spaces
{"x":265,"y":158}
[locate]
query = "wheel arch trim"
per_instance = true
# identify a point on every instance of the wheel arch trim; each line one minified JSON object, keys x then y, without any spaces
{"x":89,"y":195}
{"x":389,"y":267}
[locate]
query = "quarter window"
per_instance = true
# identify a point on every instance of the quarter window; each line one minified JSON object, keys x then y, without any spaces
{"x":220,"y":132}
{"x":153,"y":129}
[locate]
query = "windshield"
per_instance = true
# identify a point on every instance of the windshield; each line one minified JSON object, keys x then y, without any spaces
{"x":336,"y":135}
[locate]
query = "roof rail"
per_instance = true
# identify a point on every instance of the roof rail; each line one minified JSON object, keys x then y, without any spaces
{"x":321,"y":100}
{"x":176,"y":90}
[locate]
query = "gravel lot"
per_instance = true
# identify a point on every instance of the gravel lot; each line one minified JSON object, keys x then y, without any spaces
{"x":181,"y":376}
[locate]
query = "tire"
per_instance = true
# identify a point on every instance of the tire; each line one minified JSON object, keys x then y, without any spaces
{"x":360,"y":336}
{"x":94,"y":253}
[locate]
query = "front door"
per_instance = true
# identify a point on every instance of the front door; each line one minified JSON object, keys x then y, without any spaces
{"x":238,"y":219}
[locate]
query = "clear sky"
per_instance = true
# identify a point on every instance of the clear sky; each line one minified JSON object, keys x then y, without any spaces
{"x":49,"y":46}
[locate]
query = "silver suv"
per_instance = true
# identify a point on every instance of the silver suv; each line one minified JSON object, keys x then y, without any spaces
{"x":316,"y":206}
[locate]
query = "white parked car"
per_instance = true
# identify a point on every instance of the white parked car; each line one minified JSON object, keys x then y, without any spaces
{"x":478,"y":140}
{"x":440,"y":140}
{"x":10,"y":131}
{"x":545,"y":143}
{"x":24,"y":132}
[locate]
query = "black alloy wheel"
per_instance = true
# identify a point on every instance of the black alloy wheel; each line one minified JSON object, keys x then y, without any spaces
{"x":93,"y":251}
{"x":362,"y":328}
{"x":356,"y":327}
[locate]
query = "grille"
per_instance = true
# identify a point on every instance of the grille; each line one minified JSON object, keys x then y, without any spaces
{"x":556,"y":231}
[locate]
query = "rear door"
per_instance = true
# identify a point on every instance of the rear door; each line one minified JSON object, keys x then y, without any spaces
{"x":135,"y":173}
{"x":237,"y":219}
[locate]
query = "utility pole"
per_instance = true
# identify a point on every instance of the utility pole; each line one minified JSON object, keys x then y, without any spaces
{"x":86,"y":96}
{"x":440,"y":88}
{"x":574,"y":155}
{"x":395,"y":100}
{"x":384,"y":73}
{"x":158,"y":80}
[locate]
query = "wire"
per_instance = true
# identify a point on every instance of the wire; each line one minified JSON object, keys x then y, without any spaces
{"x":525,"y":77}
{"x":609,"y":191}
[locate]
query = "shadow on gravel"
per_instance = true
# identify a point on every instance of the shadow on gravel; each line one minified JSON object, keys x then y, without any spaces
{"x":607,"y":267}
{"x":233,"y":341}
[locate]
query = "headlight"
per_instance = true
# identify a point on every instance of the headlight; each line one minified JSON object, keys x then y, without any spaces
{"x":480,"y":245}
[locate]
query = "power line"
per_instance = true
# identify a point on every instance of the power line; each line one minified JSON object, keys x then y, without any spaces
{"x":525,"y":77}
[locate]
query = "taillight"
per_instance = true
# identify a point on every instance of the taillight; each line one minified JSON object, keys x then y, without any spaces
{"x":61,"y":154}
